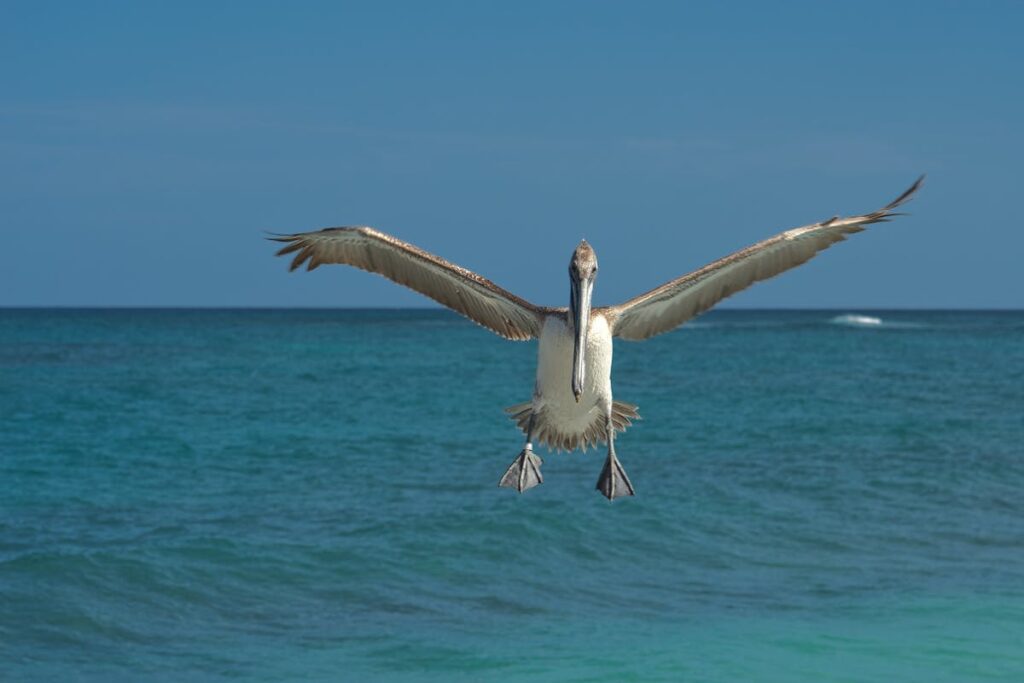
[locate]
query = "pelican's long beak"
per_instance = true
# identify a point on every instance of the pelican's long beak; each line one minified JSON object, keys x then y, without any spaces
{"x":581,"y":286}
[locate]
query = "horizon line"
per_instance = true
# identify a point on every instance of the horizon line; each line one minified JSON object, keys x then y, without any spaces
{"x":244,"y":307}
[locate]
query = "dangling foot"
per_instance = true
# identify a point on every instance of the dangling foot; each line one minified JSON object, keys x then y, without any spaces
{"x":524,"y":472}
{"x":613,"y":481}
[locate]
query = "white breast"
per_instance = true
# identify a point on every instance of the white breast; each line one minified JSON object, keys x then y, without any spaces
{"x":554,"y":374}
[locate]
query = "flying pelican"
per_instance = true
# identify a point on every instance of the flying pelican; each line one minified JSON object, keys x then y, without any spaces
{"x":572,"y":403}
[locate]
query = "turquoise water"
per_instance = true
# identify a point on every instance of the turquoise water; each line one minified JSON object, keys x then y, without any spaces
{"x":311,"y":495}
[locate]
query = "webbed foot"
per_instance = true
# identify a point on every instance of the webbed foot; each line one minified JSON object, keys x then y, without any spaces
{"x":613,"y":481}
{"x":524,"y":472}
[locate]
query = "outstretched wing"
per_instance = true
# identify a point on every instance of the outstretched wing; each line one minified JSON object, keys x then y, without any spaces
{"x":675,"y":302}
{"x":463,"y":291}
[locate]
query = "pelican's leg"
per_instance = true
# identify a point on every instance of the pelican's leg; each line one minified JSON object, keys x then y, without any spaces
{"x":613,"y":481}
{"x":524,"y":472}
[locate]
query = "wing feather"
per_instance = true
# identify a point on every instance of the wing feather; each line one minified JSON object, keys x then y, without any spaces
{"x":462,"y":290}
{"x":666,"y":307}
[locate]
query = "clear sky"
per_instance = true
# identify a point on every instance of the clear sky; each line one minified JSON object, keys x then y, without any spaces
{"x":145,"y":148}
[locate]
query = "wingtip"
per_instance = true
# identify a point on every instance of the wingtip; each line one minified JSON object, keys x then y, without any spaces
{"x":288,"y":248}
{"x":908,"y":193}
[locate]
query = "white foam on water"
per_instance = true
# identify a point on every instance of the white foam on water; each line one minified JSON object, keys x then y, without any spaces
{"x":856,"y":320}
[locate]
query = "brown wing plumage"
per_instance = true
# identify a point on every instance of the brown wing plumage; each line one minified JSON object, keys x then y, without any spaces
{"x":463,"y":291}
{"x":666,"y":307}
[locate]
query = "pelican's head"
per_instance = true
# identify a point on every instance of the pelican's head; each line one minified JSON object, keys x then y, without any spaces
{"x":582,"y":273}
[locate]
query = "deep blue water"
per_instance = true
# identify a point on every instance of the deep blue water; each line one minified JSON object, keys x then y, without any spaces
{"x":311,"y":495}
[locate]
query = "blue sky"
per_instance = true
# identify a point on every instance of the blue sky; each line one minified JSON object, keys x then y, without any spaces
{"x":146,"y":147}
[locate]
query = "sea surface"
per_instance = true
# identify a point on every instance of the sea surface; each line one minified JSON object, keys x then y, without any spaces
{"x":271,"y":495}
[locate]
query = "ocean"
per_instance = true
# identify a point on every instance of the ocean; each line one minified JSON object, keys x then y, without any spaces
{"x":282,"y":495}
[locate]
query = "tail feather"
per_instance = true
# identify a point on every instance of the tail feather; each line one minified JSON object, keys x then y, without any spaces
{"x":551,"y":435}
{"x":623,"y":415}
{"x":520,"y":412}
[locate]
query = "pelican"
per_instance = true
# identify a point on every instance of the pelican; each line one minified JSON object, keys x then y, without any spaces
{"x":572,"y":404}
